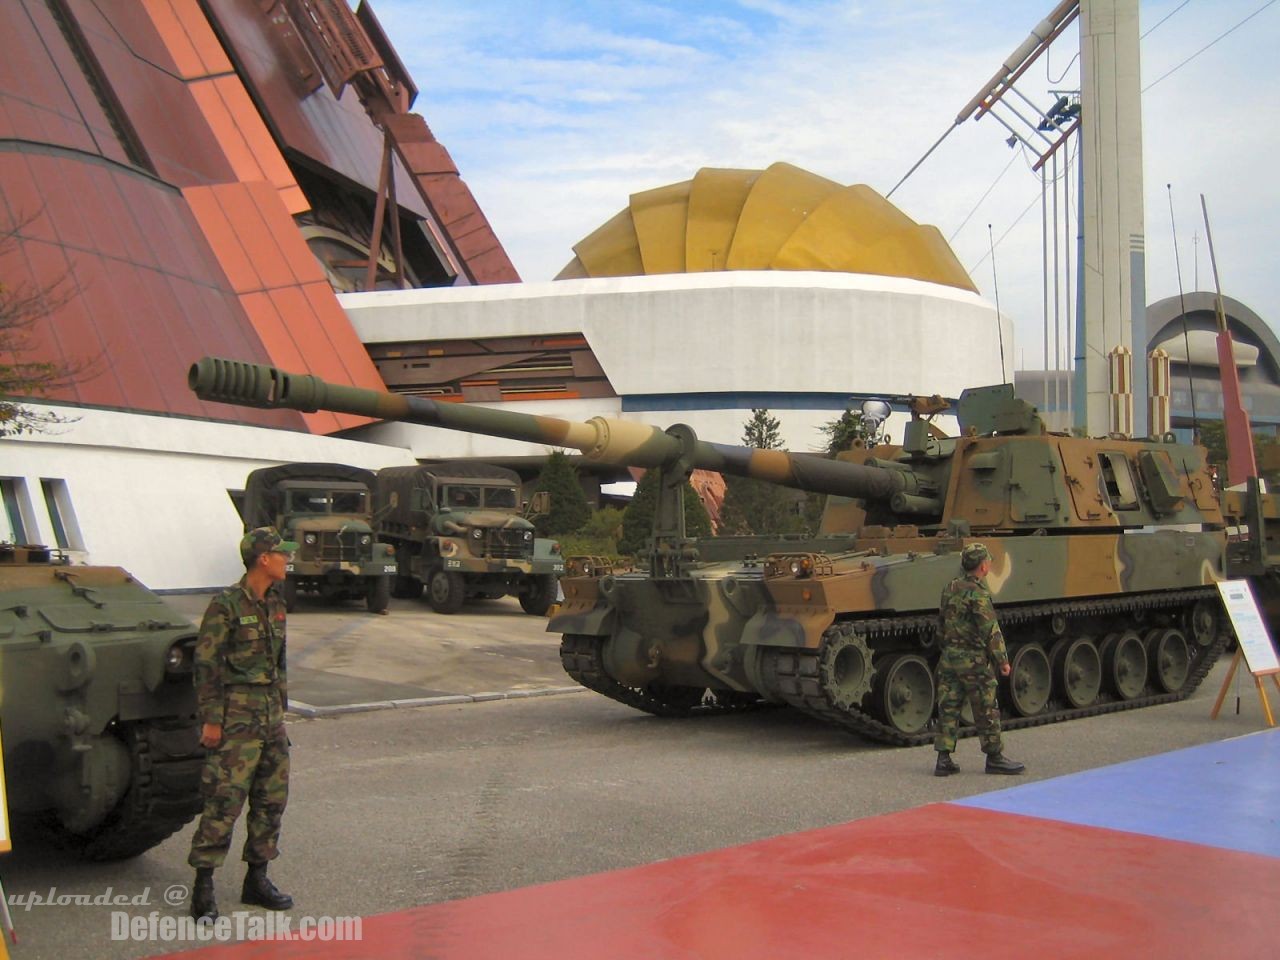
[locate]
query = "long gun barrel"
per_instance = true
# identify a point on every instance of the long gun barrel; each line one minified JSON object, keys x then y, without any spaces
{"x":599,"y":439}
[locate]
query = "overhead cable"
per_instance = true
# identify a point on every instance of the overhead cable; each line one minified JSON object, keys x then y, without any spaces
{"x":1208,"y":45}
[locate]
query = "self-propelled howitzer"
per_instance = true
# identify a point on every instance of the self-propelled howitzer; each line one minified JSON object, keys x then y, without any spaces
{"x":1105,"y":553}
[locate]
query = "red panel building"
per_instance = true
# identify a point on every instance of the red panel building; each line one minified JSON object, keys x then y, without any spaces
{"x":200,"y":178}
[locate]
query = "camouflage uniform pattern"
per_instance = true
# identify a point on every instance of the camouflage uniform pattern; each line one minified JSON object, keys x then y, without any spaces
{"x":972,"y":645}
{"x":241,"y":685}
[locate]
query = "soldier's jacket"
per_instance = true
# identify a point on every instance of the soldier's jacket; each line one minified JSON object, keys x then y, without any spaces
{"x":967,"y":621}
{"x":242,"y":641}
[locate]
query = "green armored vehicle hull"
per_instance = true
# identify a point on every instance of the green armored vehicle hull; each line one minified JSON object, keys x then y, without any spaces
{"x":97,"y":703}
{"x":1106,"y":554}
{"x":850,"y":637}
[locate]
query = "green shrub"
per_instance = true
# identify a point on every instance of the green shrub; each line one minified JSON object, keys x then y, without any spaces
{"x":569,"y":507}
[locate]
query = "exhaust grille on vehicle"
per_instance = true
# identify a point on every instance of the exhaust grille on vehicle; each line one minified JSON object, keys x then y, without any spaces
{"x":336,"y":547}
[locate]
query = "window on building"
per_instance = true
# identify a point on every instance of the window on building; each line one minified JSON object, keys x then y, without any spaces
{"x":62,"y":515}
{"x":17,"y":509}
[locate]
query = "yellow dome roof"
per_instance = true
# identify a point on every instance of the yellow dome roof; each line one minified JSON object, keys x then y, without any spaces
{"x":782,"y":218}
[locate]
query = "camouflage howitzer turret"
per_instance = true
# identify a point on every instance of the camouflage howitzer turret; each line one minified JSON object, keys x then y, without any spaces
{"x":1105,"y":554}
{"x":98,"y":709}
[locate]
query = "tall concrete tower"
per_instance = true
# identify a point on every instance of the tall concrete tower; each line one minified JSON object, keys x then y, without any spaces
{"x":1113,"y":258}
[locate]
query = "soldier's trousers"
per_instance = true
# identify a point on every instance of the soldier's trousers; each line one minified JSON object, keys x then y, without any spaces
{"x":964,"y":675}
{"x":252,"y":761}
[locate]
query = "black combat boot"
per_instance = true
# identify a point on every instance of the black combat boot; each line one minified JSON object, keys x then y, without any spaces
{"x":261,"y":892}
{"x":203,"y":904}
{"x":999,"y":763}
{"x":945,"y":765}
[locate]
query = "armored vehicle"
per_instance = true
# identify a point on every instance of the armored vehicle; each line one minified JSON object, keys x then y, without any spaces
{"x":326,"y":509}
{"x":1105,"y":555}
{"x":457,"y":529}
{"x":100,"y":736}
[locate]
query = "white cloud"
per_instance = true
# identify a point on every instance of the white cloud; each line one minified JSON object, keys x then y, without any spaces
{"x":556,"y":112}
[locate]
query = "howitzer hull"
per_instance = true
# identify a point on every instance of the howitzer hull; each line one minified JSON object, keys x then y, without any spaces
{"x":1092,"y":624}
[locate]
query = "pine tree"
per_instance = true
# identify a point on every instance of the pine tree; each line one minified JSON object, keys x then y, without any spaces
{"x":756,"y":506}
{"x":569,"y":507}
{"x":843,"y":431}
{"x":637,"y":520}
{"x":762,"y":431}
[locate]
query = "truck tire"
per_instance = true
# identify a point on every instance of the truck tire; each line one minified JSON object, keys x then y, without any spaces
{"x":446,"y":591}
{"x":290,"y":590}
{"x":378,"y":593}
{"x":541,"y":594}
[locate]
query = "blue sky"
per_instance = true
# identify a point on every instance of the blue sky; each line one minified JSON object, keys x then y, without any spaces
{"x":555,"y":112}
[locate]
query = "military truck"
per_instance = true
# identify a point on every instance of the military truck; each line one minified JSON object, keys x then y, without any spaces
{"x":1105,"y":555}
{"x":101,"y":742}
{"x":326,"y":508}
{"x":458,"y":531}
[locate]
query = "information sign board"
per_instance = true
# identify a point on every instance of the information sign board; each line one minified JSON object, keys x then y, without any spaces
{"x":1251,"y":630}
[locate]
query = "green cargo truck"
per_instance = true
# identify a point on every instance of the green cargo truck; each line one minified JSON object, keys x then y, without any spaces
{"x":459,"y":532}
{"x":326,"y":508}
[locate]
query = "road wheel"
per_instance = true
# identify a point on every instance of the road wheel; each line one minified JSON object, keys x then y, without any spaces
{"x":902,"y":692}
{"x":290,"y":591}
{"x":446,"y":591}
{"x":1077,"y":669}
{"x":542,"y":593}
{"x":1030,"y":680}
{"x":1169,"y":659}
{"x":1124,"y":664}
{"x":378,"y":593}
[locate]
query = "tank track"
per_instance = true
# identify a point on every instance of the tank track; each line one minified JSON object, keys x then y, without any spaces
{"x":165,"y":761}
{"x":794,"y":679}
{"x":580,"y":655}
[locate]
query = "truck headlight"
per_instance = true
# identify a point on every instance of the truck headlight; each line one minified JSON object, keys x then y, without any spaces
{"x":477,"y":533}
{"x":366,"y":540}
{"x":177,"y":659}
{"x":528,"y":535}
{"x":309,"y":539}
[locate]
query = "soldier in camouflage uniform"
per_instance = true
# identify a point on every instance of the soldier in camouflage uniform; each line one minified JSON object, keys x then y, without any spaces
{"x":241,"y":697}
{"x":972,"y":645}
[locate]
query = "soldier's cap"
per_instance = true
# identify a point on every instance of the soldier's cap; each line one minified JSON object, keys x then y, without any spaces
{"x":973,"y":555}
{"x":264,"y":540}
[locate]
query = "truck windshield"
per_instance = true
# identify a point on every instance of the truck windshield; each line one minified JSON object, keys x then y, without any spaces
{"x":501,"y":498}
{"x":458,"y":496}
{"x":326,"y":501}
{"x":349,"y":501}
{"x":475,"y":495}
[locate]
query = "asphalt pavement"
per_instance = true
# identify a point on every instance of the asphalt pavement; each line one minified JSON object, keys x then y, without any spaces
{"x":503,"y":780}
